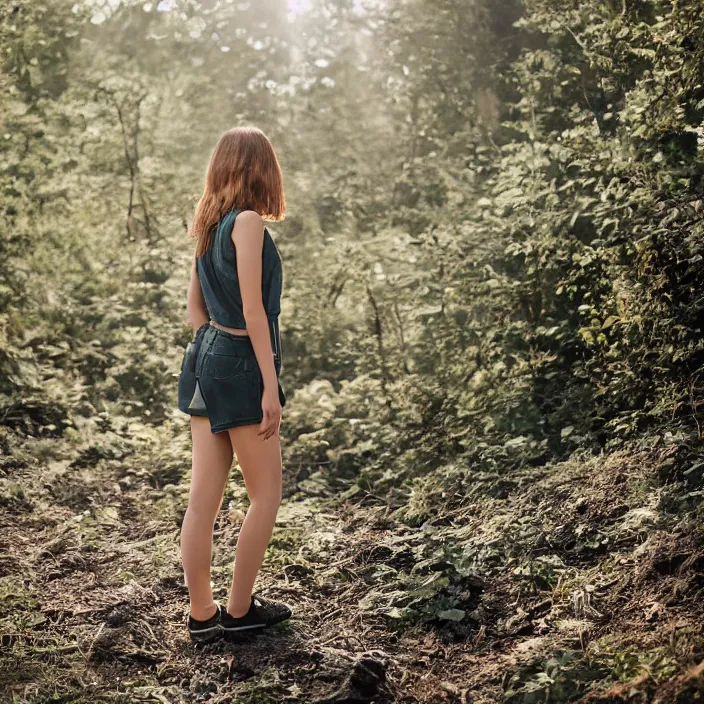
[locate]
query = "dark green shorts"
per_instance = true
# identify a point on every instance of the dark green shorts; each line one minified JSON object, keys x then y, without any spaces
{"x":220,"y":378}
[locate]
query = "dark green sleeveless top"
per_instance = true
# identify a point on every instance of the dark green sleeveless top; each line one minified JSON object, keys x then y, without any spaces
{"x":217,"y":273}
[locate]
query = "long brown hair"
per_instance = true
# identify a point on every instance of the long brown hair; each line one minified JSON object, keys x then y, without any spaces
{"x":243,"y":173}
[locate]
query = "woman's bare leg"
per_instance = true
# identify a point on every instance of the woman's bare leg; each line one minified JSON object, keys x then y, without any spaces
{"x":212,"y":459}
{"x":260,"y":463}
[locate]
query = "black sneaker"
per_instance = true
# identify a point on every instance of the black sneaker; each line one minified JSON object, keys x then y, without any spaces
{"x":262,"y":613}
{"x":202,"y":631}
{"x":273,"y":611}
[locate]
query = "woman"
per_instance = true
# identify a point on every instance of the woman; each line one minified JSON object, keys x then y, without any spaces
{"x":229,"y":381}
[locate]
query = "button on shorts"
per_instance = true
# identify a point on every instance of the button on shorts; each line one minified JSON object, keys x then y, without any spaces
{"x":220,"y":379}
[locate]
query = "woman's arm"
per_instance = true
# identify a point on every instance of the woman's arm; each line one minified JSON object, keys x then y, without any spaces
{"x":195,"y":303}
{"x":248,"y":236}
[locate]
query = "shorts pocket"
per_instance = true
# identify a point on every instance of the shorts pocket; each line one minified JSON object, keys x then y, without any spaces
{"x":236,"y":398}
{"x":223,"y":367}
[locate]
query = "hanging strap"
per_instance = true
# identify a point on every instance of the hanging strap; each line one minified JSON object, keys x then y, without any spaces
{"x":195,"y":345}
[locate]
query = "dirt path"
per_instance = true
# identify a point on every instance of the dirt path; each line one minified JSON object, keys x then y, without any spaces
{"x":563,"y":581}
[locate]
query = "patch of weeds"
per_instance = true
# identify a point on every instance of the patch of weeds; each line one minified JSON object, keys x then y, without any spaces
{"x":624,"y":663}
{"x":89,"y":530}
{"x":540,"y":574}
{"x":434,"y":592}
{"x":451,"y":487}
{"x":18,"y":673}
{"x":676,"y":500}
{"x":570,"y":580}
{"x":24,"y":620}
{"x":74,"y":488}
{"x":171,"y":472}
{"x":284,"y":543}
{"x":266,"y":688}
{"x":235,"y":494}
{"x":163,"y":552}
{"x":170,"y":503}
{"x":110,"y":448}
{"x":15,"y":598}
{"x":422,"y":503}
{"x":562,"y":678}
{"x":14,"y":497}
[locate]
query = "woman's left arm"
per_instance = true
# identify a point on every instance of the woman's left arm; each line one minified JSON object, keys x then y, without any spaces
{"x":195,"y":303}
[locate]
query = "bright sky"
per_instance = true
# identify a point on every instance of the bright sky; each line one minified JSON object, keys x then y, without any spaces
{"x":298,"y":7}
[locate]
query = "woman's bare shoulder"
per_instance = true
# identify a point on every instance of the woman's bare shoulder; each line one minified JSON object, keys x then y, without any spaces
{"x":248,"y":229}
{"x":250,"y":218}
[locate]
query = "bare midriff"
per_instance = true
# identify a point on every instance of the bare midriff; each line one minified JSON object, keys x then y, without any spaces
{"x":234,"y":331}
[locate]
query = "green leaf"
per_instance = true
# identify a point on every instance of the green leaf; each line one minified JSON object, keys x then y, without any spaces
{"x":451,"y":615}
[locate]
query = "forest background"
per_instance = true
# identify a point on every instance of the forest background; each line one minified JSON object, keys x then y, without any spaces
{"x":492,"y":344}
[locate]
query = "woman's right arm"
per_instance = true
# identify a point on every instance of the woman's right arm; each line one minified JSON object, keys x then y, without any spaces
{"x":197,"y":312}
{"x":248,"y":238}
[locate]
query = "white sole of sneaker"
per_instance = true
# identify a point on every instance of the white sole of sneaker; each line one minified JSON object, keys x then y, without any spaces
{"x":204,"y":630}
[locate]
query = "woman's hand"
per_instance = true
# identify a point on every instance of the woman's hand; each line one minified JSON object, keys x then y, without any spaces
{"x":271,"y":409}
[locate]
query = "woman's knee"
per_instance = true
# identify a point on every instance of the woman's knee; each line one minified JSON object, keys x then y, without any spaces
{"x":202,"y":511}
{"x":268,"y":500}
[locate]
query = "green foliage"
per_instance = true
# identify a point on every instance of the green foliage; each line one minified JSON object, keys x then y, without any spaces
{"x":513,"y":276}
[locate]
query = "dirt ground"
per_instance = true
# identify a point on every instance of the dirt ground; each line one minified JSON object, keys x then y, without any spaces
{"x":573,"y":582}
